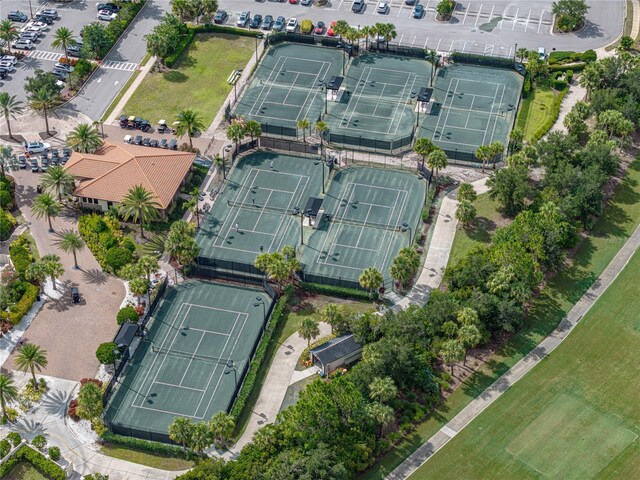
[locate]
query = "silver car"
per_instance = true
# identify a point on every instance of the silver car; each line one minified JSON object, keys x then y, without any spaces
{"x":24,"y":45}
{"x":243,"y":19}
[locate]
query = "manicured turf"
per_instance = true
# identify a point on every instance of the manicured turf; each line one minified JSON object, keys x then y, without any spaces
{"x":535,"y":110}
{"x":144,"y":458}
{"x":480,"y":231}
{"x":621,"y":217}
{"x":24,"y":471}
{"x":198,"y":80}
{"x":574,"y":416}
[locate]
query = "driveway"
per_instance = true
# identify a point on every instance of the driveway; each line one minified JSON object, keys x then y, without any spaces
{"x":69,"y":332}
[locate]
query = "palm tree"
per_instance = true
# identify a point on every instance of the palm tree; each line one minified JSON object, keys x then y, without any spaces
{"x":370,"y":279}
{"x":53,"y":267}
{"x":304,"y":124}
{"x":321,"y":128}
{"x":31,"y":358}
{"x":71,"y":242}
{"x":340,"y":28}
{"x":7,"y":158}
{"x":308,"y":329}
{"x":423,"y":146}
{"x":192,"y":205}
{"x":221,"y":427}
{"x":84,"y":138}
{"x":388,"y":32}
{"x":469,"y":336}
{"x":10,"y":108}
{"x":367,"y":32}
{"x":466,"y":192}
{"x":236,"y":132}
{"x":189,"y":123}
{"x":148,"y":265}
{"x":382,"y":389}
{"x":45,"y":100}
{"x":432,"y":57}
{"x":451,"y":352}
{"x":139,"y":204}
{"x":181,"y":431}
{"x":465,"y":213}
{"x":8,"y":33}
{"x":381,"y":414}
{"x":63,"y":39}
{"x":521,"y":53}
{"x":139,"y":287}
{"x":201,"y":437}
{"x":57,"y":179}
{"x":483,"y":153}
{"x":180,"y":244}
{"x":437,"y":160}
{"x":219,"y":161}
{"x":36,"y":272}
{"x":46,"y":206}
{"x":253,"y":129}
{"x":8,"y":392}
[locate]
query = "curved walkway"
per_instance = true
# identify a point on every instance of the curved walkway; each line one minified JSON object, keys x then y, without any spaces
{"x":520,"y":369}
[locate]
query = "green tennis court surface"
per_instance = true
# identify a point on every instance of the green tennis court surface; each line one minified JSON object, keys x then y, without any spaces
{"x":381,"y":101}
{"x":259,"y":200}
{"x":368,"y":207}
{"x":285,"y":87}
{"x":181,"y":368}
{"x":473,"y":106}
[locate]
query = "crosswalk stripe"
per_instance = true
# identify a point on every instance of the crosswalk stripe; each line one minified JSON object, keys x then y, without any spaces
{"x":44,"y":55}
{"x":127,"y":66}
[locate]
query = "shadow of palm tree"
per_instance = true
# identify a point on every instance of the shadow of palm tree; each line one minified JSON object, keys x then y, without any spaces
{"x":55,"y":402}
{"x":94,"y":276}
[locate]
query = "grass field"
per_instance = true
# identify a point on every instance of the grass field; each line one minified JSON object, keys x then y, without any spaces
{"x":148,"y":459}
{"x":198,"y":80}
{"x":536,"y":110}
{"x":575,"y":416}
{"x":481,"y":230}
{"x":24,"y":471}
{"x":621,"y":217}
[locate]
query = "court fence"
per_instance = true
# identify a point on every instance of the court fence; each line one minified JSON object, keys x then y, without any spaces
{"x":370,"y":143}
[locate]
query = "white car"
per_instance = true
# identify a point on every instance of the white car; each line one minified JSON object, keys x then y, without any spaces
{"x":8,"y":66}
{"x":292,"y":25}
{"x":9,"y":58}
{"x":243,"y":19}
{"x":43,"y":26}
{"x":32,"y":28}
{"x":24,"y":45}
{"x":36,"y":147}
{"x":383,"y":7}
{"x":106,"y":15}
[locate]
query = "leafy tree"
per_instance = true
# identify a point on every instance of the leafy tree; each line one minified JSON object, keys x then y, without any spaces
{"x":127,"y":314}
{"x":8,"y":33}
{"x":46,"y":206}
{"x":10,"y":107}
{"x":45,"y":100}
{"x":467,"y":316}
{"x":371,"y":279}
{"x":253,"y":129}
{"x":58,"y":180}
{"x":304,"y":125}
{"x":180,"y":244}
{"x":308,"y":329}
{"x":107,"y":353}
{"x":515,"y":139}
{"x":383,"y":389}
{"x":190,"y":124}
{"x":96,"y":476}
{"x":166,"y":37}
{"x":451,"y":352}
{"x":537,"y":67}
{"x":334,"y":315}
{"x":591,"y":77}
{"x":510,"y":187}
{"x":7,"y":159}
{"x":139,"y":204}
{"x":236,"y":132}
{"x":466,"y":192}
{"x":423,"y":146}
{"x":71,"y":242}
{"x":181,"y":431}
{"x":53,"y":267}
{"x":84,"y":138}
{"x":404,"y":266}
{"x":96,"y":40}
{"x":445,"y":9}
{"x":89,"y":401}
{"x":41,"y":80}
{"x":36,"y":272}
{"x":31,"y":358}
{"x":8,"y":392}
{"x":466,"y":213}
{"x":571,"y":14}
{"x":626,"y":43}
{"x":204,"y":7}
{"x":63,"y":39}
{"x":437,"y":160}
{"x":469,"y":336}
{"x":221,"y":426}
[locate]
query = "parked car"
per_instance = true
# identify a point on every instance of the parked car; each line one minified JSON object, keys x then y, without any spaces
{"x":32,"y":36}
{"x":418,"y":11}
{"x":43,"y":19}
{"x":43,"y":26}
{"x":106,"y":15}
{"x":279,"y":24}
{"x":221,"y":17}
{"x":112,"y":7}
{"x":63,"y":67}
{"x":9,"y":58}
{"x":138,"y":140}
{"x":54,"y":153}
{"x":255,"y":21}
{"x":34,"y":166}
{"x":17,"y":16}
{"x":267,"y":23}
{"x":22,"y":162}
{"x":44,"y":163}
{"x":75,"y":295}
{"x":294,"y":2}
{"x":123,"y":121}
{"x":36,"y":147}
{"x":292,"y":25}
{"x":383,"y":8}
{"x":32,"y":28}
{"x":66,"y":152}
{"x":7,"y":66}
{"x":358,"y":6}
{"x":153,"y":143}
{"x":162,"y":126}
{"x":146,"y":142}
{"x":410,"y":2}
{"x":145,"y":126}
{"x":330,"y":31}
{"x":306,"y":3}
{"x":243,"y":19}
{"x":61,"y":74}
{"x":173,"y":144}
{"x":320,"y":28}
{"x":49,"y":12}
{"x":163,"y":143}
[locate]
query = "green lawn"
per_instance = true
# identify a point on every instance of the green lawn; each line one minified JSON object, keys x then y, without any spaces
{"x":574,"y":416}
{"x":197,"y":81}
{"x":535,"y":110}
{"x":24,"y":471}
{"x":480,"y":231}
{"x":621,"y":217}
{"x":144,"y":458}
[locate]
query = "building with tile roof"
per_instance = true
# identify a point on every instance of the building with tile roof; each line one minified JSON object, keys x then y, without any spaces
{"x":104,"y":177}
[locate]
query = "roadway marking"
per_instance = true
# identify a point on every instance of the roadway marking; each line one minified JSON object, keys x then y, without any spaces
{"x":44,"y":55}
{"x":126,"y":66}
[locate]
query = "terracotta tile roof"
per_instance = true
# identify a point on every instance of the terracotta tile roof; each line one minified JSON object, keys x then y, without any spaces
{"x":110,"y":172}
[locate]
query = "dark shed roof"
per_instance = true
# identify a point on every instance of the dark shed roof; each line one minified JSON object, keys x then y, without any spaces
{"x":312,"y":206}
{"x":335,"y":83}
{"x":125,"y":335}
{"x":336,"y":349}
{"x":425,"y":94}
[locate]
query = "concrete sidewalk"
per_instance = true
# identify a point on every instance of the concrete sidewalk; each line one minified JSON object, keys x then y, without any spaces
{"x":520,"y":369}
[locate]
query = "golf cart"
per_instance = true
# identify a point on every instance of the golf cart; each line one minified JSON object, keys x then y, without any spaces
{"x":127,"y":138}
{"x":123,"y":121}
{"x":162,"y":126}
{"x":145,"y":126}
{"x":131,"y":122}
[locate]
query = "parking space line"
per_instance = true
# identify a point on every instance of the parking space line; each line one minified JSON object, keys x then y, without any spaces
{"x":425,"y":42}
{"x":401,"y":37}
{"x":478,"y":16}
{"x":438,"y":46}
{"x":526,"y":25}
{"x":540,"y":22}
{"x":515,"y":19}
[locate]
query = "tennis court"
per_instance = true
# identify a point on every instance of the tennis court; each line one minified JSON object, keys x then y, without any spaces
{"x":198,"y":344}
{"x":382,"y":95}
{"x":367,"y":208}
{"x":286,"y":86}
{"x":473,"y":106}
{"x":254,"y":212}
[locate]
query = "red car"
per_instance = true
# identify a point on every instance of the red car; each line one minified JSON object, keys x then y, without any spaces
{"x":293,"y":1}
{"x":320,"y":28}
{"x":330,"y":32}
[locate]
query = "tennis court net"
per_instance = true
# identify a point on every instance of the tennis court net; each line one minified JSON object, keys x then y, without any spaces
{"x":257,"y":206}
{"x":379,"y":226}
{"x":190,"y":355}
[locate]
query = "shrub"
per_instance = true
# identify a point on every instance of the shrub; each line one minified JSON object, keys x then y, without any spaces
{"x":107,"y":240}
{"x":555,"y":111}
{"x":39,"y":442}
{"x":128,"y":244}
{"x":72,"y":411}
{"x":526,"y":87}
{"x":5,"y":198}
{"x":186,"y":41}
{"x":99,"y":427}
{"x":563,"y":57}
{"x":14,"y":438}
{"x":340,"y":292}
{"x":20,"y":256}
{"x":107,"y":353}
{"x":589,"y":56}
{"x":82,"y":68}
{"x":17,"y":311}
{"x":95,"y":381}
{"x":5,"y":447}
{"x":143,"y":445}
{"x":306,"y":26}
{"x":54,"y":453}
{"x":569,"y":76}
{"x":127,"y":314}
{"x":118,"y":257}
{"x":7,"y":221}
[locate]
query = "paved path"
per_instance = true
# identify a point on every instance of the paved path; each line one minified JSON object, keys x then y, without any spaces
{"x":515,"y":373}
{"x":274,"y":387}
{"x":575,"y":94}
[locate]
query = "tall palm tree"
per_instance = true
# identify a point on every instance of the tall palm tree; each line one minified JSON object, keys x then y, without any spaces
{"x":219,"y":161}
{"x":189,"y":123}
{"x":371,"y":279}
{"x":45,"y":100}
{"x":423,"y":146}
{"x":367,"y":32}
{"x":7,"y":159}
{"x":58,"y":180}
{"x":432,"y":57}
{"x":84,"y":138}
{"x":304,"y":124}
{"x":36,"y":272}
{"x":8,"y":392}
{"x":46,"y":206}
{"x":253,"y":129}
{"x":63,"y":39}
{"x":71,"y":242}
{"x":53,"y":267}
{"x":193,"y":206}
{"x":180,"y":244}
{"x":10,"y":108}
{"x":181,"y":430}
{"x":496,"y":148}
{"x":139,"y":204}
{"x":8,"y":33}
{"x":31,"y":358}
{"x":381,"y":414}
{"x":148,"y":265}
{"x":321,"y":128}
{"x":221,"y":426}
{"x":483,"y":153}
{"x":437,"y":160}
{"x":308,"y":329}
{"x":382,"y":389}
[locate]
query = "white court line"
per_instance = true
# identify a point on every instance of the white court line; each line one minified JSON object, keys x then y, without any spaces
{"x":492,"y":107}
{"x":193,"y":355}
{"x":186,"y":388}
{"x":495,"y":121}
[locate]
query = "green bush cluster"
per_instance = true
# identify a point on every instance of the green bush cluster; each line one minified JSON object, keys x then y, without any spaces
{"x":7,"y":188}
{"x":106,"y":241}
{"x":14,"y":438}
{"x":186,"y":41}
{"x":5,"y":447}
{"x":20,"y":254}
{"x":426,"y":211}
{"x":569,"y":76}
{"x":575,"y":67}
{"x":335,"y":291}
{"x":127,"y":314}
{"x":556,"y":83}
{"x":564,"y":57}
{"x":46,"y":467}
{"x":139,"y":444}
{"x":250,"y":378}
{"x":17,"y":311}
{"x":555,"y":109}
{"x":39,"y":442}
{"x":7,"y":221}
{"x":54,"y":453}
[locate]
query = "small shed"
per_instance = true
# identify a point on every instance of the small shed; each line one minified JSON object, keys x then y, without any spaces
{"x":336,"y":353}
{"x":126,"y":334}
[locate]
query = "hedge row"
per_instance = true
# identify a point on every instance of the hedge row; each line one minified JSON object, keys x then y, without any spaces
{"x":576,"y":67}
{"x":17,"y":311}
{"x":186,"y":41}
{"x":46,"y":467}
{"x":555,"y":111}
{"x":258,"y":358}
{"x":117,"y":26}
{"x":157,"y":448}
{"x":335,"y":291}
{"x":459,"y":57}
{"x":20,"y":253}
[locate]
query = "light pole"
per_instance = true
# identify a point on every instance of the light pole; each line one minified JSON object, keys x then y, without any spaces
{"x":321,"y":163}
{"x":260,"y":301}
{"x":232,"y":368}
{"x":322,"y":83}
{"x":405,"y":227}
{"x":515,"y":52}
{"x":298,"y":211}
